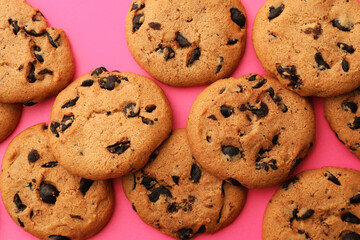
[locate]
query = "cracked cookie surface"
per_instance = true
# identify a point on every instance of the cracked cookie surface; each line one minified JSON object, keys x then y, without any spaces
{"x":36,"y":60}
{"x":329,"y":209}
{"x":45,"y":199}
{"x":176,"y":196}
{"x":10,"y":114}
{"x":312,"y":47}
{"x":186,"y":43}
{"x":343,"y":116}
{"x":250,"y":130}
{"x":106,"y":124}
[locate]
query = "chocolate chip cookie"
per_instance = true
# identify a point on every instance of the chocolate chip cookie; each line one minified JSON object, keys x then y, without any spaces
{"x":106,"y":124}
{"x":329,"y":209}
{"x":186,"y":43}
{"x":312,"y":47}
{"x":36,"y":60}
{"x":250,"y":130}
{"x":344,"y":119}
{"x":45,"y":199}
{"x":176,"y":196}
{"x":10,"y":115}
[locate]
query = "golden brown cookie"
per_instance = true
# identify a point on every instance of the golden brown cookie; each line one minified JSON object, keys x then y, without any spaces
{"x":186,"y":43}
{"x":312,"y":47}
{"x":250,"y":130}
{"x":106,"y":124}
{"x":10,"y":115}
{"x":36,"y":60}
{"x":45,"y":199}
{"x":179,"y":198}
{"x":315,"y":204}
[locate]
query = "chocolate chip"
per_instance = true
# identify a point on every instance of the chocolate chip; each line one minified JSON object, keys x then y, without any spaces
{"x":154,"y":196}
{"x":290,"y":73}
{"x":154,"y":154}
{"x":15,"y":26}
{"x":195,"y":173}
{"x":108,"y":83}
{"x":31,"y":76}
{"x":130,"y":110}
{"x":260,"y":112}
{"x":31,"y":214}
{"x":155,"y":25}
{"x":39,"y":58}
{"x":355,"y":125}
{"x":333,"y":179}
{"x":351,"y":236}
{"x":137,"y":21}
{"x":220,"y":65}
{"x":350,"y":105}
{"x":208,"y":138}
{"x":202,"y":229}
{"x":307,"y":214}
{"x":48,"y":193}
{"x":169,"y":53}
{"x":58,"y":237}
{"x":150,"y":108}
{"x":350,"y":218}
{"x":173,"y":208}
{"x":345,"y":65}
{"x":317,"y":31}
{"x":54,"y":128}
{"x":119,"y":147}
{"x":212,"y":117}
{"x":97,"y":72}
{"x":182,"y":41}
{"x":304,"y":233}
{"x":18,"y":203}
{"x":85,"y":185}
{"x":34,"y":33}
{"x":232,"y":41}
{"x":235,"y":182}
{"x":55,"y":43}
{"x":275,"y":12}
{"x":260,"y":83}
{"x":238,"y":17}
{"x":45,"y":71}
{"x":21,"y":67}
{"x":20,"y":223}
{"x":275,"y":139}
{"x":346,"y":48}
{"x":133,"y":207}
{"x":226,"y":111}
{"x":70,"y":103}
{"x":289,"y":181}
{"x":195,"y":55}
{"x":252,"y":78}
{"x":266,"y":165}
{"x":33,"y":156}
{"x":38,"y":16}
{"x":230,"y":151}
{"x":176,"y":179}
{"x":76,"y":217}
{"x":322,"y":65}
{"x":87,"y":83}
{"x":66,"y":122}
{"x":50,"y":164}
{"x":185,"y":233}
{"x":148,"y":182}
{"x":355,"y":199}
{"x":135,"y":6}
{"x":134,"y":181}
{"x":336,"y":23}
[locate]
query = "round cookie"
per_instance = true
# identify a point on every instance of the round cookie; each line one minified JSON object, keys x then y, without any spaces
{"x":312,"y":47}
{"x":177,"y":197}
{"x":37,"y":60}
{"x":329,"y":209}
{"x":250,"y":130}
{"x":186,"y":43}
{"x":342,"y":114}
{"x":45,"y":199}
{"x":106,"y":124}
{"x":10,"y":115}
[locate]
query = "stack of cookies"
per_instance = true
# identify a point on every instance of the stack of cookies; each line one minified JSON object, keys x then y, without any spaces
{"x":242,"y":133}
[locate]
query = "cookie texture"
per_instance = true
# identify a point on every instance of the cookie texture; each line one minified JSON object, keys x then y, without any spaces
{"x":342,"y":114}
{"x":36,"y":60}
{"x":176,"y":196}
{"x":186,"y":43}
{"x":329,"y":209}
{"x":250,"y":130}
{"x":312,"y":47}
{"x":106,"y":124}
{"x":10,"y":115}
{"x":45,"y":199}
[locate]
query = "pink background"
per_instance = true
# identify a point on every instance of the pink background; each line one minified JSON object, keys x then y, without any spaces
{"x":96,"y":32}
